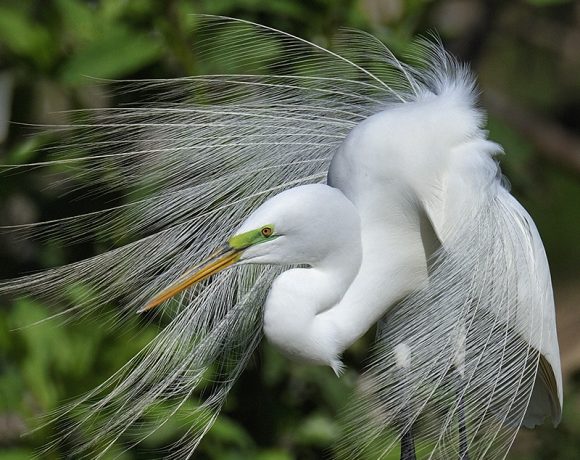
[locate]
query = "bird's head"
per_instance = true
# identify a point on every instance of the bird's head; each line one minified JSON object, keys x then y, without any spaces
{"x":308,"y":224}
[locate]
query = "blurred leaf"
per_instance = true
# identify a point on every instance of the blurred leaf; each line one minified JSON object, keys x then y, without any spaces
{"x":16,"y":454}
{"x":168,"y":424}
{"x":10,"y":390}
{"x":25,"y":37}
{"x":113,"y":55}
{"x":274,"y":455}
{"x":282,"y":8}
{"x":26,"y":150}
{"x":547,"y":2}
{"x":42,"y":347}
{"x":317,"y":430}
{"x":275,"y":365}
{"x":215,"y":61}
{"x":78,"y":19}
{"x":518,"y":151}
{"x":228,"y":431}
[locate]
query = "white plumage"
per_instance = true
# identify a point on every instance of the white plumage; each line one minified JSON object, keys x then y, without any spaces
{"x":414,"y":231}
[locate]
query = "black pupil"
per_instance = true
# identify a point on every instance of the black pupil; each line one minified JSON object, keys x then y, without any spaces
{"x":266,"y":231}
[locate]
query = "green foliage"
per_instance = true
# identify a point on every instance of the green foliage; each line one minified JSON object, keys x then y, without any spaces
{"x":25,"y":38}
{"x":112,"y":56}
{"x":279,"y":410}
{"x":16,"y":454}
{"x":547,"y":2}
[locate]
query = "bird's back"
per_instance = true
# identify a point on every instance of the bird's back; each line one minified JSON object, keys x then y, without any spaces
{"x":413,"y":149}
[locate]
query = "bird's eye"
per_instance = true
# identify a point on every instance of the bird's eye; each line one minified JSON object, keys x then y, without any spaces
{"x":267,"y":232}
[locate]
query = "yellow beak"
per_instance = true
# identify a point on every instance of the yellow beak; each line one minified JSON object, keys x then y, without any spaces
{"x":215,"y":264}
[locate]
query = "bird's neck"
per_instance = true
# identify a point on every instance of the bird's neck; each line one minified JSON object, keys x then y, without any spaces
{"x":299,"y":296}
{"x":394,"y":264}
{"x":314,"y":314}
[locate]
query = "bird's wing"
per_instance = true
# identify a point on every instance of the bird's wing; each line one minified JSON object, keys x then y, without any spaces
{"x":546,"y":399}
{"x":473,"y":171}
{"x":474,"y":354}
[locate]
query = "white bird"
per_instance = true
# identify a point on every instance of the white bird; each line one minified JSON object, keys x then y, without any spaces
{"x":413,"y":230}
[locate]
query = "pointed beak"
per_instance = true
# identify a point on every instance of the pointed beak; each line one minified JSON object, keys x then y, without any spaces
{"x":215,"y":264}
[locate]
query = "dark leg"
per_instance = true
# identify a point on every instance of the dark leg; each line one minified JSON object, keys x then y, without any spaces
{"x":408,"y":445}
{"x":403,"y":360}
{"x":463,"y":453}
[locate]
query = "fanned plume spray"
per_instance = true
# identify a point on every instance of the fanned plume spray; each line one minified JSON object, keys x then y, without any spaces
{"x":198,"y":154}
{"x":467,"y":376}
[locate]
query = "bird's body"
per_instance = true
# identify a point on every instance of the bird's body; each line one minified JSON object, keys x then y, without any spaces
{"x":413,"y":231}
{"x":409,"y":192}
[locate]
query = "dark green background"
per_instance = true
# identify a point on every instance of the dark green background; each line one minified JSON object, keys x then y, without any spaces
{"x":527,"y":55}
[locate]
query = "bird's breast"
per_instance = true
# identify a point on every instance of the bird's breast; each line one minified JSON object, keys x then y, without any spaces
{"x":290,"y":318}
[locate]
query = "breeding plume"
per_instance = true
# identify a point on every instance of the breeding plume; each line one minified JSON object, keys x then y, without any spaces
{"x":328,"y":192}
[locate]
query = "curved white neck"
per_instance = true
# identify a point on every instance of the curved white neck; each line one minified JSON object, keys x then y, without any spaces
{"x":314,"y":314}
{"x":392,"y":267}
{"x":299,"y":296}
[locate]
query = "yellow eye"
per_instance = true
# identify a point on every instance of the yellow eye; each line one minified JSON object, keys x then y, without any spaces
{"x":267,"y":232}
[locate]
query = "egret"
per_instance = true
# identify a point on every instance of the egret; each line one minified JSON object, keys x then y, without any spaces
{"x":309,"y":202}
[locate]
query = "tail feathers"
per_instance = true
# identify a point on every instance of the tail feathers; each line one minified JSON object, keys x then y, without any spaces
{"x":545,"y":402}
